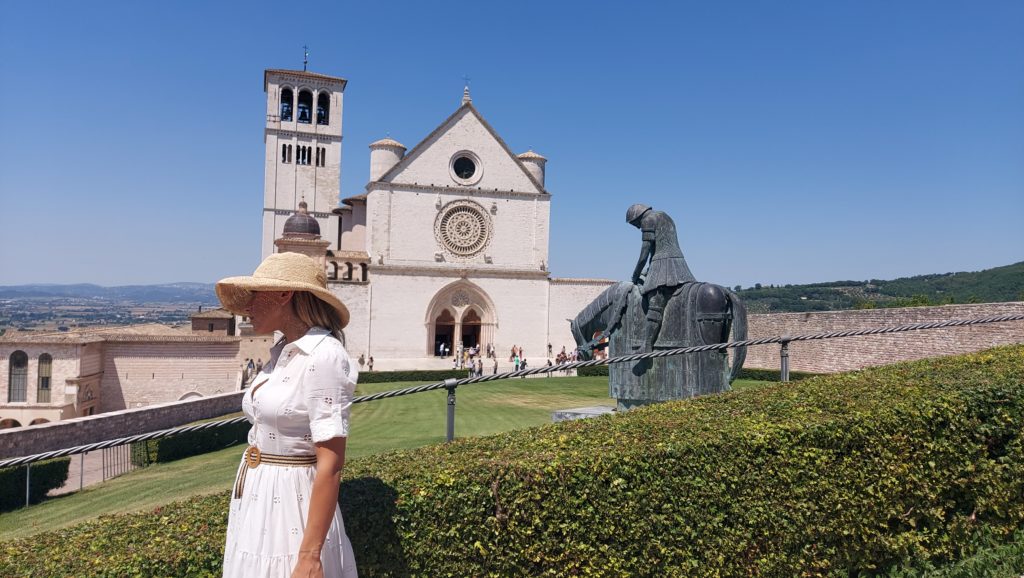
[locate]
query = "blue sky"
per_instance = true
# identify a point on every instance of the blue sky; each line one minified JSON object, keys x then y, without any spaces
{"x":792,"y":142}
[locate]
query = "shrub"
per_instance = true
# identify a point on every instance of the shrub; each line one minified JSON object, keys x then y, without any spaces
{"x":46,"y":475}
{"x":412,"y":375}
{"x":848,"y":474}
{"x":772,"y":374}
{"x":193,"y":443}
{"x":592,"y":371}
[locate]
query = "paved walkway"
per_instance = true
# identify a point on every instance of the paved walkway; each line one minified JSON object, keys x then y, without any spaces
{"x":93,"y":472}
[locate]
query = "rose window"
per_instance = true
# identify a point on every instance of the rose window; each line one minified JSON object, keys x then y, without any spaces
{"x":463,"y":228}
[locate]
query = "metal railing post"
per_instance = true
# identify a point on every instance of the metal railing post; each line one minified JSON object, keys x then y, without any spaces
{"x":28,"y":481}
{"x":784,"y":359}
{"x":449,"y":384}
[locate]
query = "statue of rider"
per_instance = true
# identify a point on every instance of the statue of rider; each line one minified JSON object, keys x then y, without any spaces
{"x":667,"y":270}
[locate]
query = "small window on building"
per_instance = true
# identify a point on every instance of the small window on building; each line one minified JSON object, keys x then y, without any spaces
{"x":286,"y":104}
{"x":209,"y":327}
{"x":284,"y":153}
{"x":45,"y":375}
{"x":323,"y":108}
{"x":18,"y":377}
{"x":289,"y":153}
{"x":305,"y":108}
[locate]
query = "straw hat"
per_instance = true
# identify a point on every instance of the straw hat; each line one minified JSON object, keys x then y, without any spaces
{"x":279,"y":272}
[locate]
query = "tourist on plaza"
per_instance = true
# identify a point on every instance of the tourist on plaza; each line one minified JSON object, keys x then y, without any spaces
{"x":479,"y":367}
{"x":515,"y":362}
{"x":362,"y":360}
{"x":549,"y":365}
{"x":284,"y":519}
{"x":495,"y":365}
{"x":369,"y":363}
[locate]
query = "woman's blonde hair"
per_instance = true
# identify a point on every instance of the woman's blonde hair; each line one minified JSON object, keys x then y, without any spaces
{"x":315,"y":313}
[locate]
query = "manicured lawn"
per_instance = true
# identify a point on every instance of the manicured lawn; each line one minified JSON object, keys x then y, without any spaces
{"x":379,"y":426}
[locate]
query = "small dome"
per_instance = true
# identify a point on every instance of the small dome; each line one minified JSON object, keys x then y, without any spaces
{"x":387,"y":142}
{"x":301,"y":224}
{"x":530,"y":155}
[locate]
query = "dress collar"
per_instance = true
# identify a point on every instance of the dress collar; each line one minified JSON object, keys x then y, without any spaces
{"x":308,"y":342}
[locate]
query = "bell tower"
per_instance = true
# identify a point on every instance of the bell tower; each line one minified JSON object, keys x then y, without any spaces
{"x":302,"y":137}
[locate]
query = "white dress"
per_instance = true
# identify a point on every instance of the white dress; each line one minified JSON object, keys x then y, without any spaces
{"x":304,"y":395}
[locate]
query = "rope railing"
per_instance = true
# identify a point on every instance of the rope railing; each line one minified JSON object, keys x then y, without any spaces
{"x":452,"y":384}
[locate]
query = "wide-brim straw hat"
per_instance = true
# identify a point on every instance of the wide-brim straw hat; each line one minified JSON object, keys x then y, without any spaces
{"x":279,"y":272}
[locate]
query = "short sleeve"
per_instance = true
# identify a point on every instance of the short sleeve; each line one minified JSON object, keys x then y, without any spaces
{"x":328,"y":387}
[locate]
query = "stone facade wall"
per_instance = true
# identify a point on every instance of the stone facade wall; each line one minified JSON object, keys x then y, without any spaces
{"x":850,"y":353}
{"x":64,"y":367}
{"x":143,"y":373}
{"x":567,"y":298}
{"x":402,"y":229}
{"x":86,"y":430}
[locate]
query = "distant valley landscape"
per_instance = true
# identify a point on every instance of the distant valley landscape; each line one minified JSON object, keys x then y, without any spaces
{"x":49,"y":307}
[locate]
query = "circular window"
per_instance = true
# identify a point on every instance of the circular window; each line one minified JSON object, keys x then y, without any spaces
{"x":463,"y":228}
{"x":465,"y":168}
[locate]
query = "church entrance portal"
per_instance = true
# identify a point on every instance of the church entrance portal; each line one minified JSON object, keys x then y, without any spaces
{"x":460,"y":314}
{"x":470,"y":329}
{"x":444,"y":332}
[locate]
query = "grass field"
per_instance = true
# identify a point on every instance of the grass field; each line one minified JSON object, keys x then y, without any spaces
{"x":378,"y":426}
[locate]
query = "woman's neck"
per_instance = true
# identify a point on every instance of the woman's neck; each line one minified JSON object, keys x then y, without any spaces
{"x":293,"y":329}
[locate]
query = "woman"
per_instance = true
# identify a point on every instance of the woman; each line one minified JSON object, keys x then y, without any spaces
{"x":284,"y":518}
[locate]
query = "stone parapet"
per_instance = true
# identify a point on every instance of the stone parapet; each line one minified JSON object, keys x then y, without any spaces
{"x":67,"y":433}
{"x":851,"y":353}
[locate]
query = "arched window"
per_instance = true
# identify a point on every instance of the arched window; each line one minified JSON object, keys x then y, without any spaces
{"x":18,"y":373}
{"x":45,"y":374}
{"x":323,"y":108}
{"x":347,"y":276}
{"x":305,"y":108}
{"x":6,"y":423}
{"x":286,"y":104}
{"x":362,"y":267}
{"x":284,"y":153}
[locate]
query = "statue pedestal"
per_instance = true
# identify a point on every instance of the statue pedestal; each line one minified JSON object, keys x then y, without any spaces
{"x":580,"y":413}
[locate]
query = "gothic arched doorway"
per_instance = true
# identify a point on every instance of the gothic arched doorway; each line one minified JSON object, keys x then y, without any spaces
{"x":444,"y":332}
{"x":470,"y":328}
{"x":461,"y":313}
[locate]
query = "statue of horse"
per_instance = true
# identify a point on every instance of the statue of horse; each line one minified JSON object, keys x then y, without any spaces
{"x":697,"y":314}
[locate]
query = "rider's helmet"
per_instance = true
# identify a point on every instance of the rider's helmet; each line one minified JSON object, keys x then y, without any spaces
{"x":635,"y":212}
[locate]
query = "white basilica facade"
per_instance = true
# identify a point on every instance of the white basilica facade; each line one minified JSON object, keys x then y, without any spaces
{"x":448,"y":243}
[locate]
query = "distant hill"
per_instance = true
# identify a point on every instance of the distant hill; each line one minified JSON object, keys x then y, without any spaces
{"x":988,"y":286}
{"x":167,"y":293}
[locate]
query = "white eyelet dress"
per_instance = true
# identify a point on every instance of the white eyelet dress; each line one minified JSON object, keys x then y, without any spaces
{"x":304,"y":396}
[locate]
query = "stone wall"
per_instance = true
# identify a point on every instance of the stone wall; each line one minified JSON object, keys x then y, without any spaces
{"x":850,"y":353}
{"x":86,"y":430}
{"x":145,"y":372}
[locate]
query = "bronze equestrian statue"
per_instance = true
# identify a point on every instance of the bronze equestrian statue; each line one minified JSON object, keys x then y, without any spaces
{"x":663,"y":308}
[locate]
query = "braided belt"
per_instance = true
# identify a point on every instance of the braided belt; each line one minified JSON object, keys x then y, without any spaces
{"x":254,"y":457}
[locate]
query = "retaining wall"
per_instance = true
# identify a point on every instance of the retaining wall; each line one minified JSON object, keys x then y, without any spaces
{"x":850,"y":353}
{"x":78,"y":431}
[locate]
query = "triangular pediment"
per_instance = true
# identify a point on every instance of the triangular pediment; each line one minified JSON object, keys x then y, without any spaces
{"x":429,"y":163}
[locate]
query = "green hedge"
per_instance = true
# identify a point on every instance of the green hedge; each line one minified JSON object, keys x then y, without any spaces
{"x":772,"y":374}
{"x":848,"y":474}
{"x":418,"y":375}
{"x":592,"y":371}
{"x":192,"y":443}
{"x":46,"y":475}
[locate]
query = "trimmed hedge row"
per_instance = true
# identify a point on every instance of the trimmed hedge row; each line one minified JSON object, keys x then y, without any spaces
{"x":772,"y":374}
{"x":849,"y":474}
{"x":194,"y":443}
{"x":745,"y":373}
{"x":46,"y":475}
{"x":411,"y":375}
